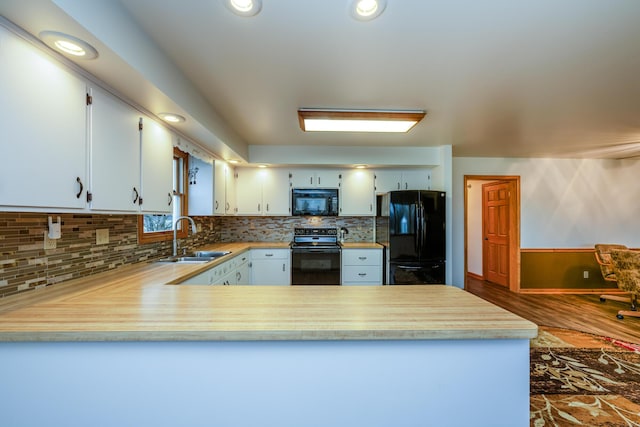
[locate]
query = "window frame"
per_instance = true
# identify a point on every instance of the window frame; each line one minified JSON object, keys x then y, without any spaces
{"x":182,"y":196}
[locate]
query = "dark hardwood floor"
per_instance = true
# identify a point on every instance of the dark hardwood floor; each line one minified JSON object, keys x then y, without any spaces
{"x":583,"y":313}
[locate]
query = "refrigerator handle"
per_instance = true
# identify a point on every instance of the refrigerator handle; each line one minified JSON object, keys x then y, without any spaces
{"x":423,"y":227}
{"x":417,"y":230}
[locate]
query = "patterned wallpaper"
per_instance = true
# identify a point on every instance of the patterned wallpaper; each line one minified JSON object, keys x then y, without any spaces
{"x":25,"y":265}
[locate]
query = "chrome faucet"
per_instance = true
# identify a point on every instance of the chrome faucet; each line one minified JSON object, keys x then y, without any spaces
{"x":194,"y":230}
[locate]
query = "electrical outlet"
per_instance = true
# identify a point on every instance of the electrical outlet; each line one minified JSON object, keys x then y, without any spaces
{"x":49,"y":243}
{"x":585,"y":274}
{"x":102,"y":236}
{"x":199,"y":228}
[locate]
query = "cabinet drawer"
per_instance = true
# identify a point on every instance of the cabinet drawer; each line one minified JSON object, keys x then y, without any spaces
{"x":257,"y":254}
{"x":361,"y":257}
{"x":366,"y":273}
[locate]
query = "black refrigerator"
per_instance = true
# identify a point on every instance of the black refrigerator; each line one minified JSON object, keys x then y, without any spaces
{"x":410,"y":224}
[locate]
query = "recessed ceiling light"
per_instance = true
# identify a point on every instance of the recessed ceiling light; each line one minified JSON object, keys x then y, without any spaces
{"x":360,"y":166}
{"x":244,"y":7}
{"x":172,"y":118}
{"x":366,"y":10}
{"x":233,"y":161}
{"x":315,"y":120}
{"x":69,"y":45}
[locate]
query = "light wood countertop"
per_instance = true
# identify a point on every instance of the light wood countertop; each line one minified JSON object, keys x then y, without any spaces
{"x":135,"y":304}
{"x":361,"y":245}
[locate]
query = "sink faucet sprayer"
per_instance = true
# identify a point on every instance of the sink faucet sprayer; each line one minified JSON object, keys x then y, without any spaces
{"x":194,"y":230}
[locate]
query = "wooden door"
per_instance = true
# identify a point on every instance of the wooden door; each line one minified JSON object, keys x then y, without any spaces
{"x":495,"y":225}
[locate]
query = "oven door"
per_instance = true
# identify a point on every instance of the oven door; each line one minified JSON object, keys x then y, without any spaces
{"x":315,"y":266}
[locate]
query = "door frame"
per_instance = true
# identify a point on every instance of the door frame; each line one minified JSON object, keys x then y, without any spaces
{"x":514,"y":226}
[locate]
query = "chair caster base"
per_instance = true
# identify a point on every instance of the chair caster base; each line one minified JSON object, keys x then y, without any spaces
{"x":602,"y":299}
{"x":620,"y":316}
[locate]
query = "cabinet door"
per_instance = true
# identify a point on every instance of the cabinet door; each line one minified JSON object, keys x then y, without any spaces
{"x":243,"y":274}
{"x":43,"y":116}
{"x":327,"y":178}
{"x":157,"y":168}
{"x":415,"y":179}
{"x":115,"y":154}
{"x":231,"y":207}
{"x":301,"y":178}
{"x":313,"y":178}
{"x":275,"y":192}
{"x":201,"y":191}
{"x":356,"y":193}
{"x":270,"y":267}
{"x":249,"y":189}
{"x":220,"y":187}
{"x":387,"y":180}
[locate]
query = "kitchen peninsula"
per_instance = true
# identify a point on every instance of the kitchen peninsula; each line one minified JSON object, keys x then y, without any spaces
{"x":126,"y":348}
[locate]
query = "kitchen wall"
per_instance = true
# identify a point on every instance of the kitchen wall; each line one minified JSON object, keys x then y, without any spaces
{"x":25,"y":265}
{"x":280,"y":229}
{"x":565,"y":203}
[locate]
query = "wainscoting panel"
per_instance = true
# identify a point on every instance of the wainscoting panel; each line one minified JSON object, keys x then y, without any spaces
{"x":561,"y":270}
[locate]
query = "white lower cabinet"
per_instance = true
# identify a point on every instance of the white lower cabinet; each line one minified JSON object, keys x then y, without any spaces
{"x":235,"y":271}
{"x":270,"y":267}
{"x":361,"y":266}
{"x":204,"y":278}
{"x":243,"y":269}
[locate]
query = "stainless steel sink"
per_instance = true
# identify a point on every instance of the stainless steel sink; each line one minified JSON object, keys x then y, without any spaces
{"x":196,"y":258}
{"x":187,"y":259}
{"x":212,"y":254}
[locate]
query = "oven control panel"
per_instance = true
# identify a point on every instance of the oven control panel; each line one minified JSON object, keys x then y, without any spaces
{"x":308,"y":231}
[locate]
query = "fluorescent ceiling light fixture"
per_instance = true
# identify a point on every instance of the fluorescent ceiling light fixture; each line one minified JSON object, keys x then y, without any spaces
{"x":366,"y":10}
{"x":69,"y":45}
{"x":313,"y":120}
{"x":244,"y":7}
{"x":172,"y":118}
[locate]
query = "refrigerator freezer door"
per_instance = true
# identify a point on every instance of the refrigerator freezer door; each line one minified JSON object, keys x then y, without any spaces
{"x":417,"y":274}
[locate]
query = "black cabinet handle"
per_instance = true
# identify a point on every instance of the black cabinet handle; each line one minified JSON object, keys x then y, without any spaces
{"x":79,"y":181}
{"x":170,"y":199}
{"x":135,"y":199}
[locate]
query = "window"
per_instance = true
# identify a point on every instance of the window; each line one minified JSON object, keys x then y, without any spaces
{"x":156,"y":228}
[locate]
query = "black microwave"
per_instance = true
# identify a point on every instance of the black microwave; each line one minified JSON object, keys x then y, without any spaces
{"x":314,"y":201}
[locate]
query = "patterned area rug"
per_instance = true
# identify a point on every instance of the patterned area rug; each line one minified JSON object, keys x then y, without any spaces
{"x":578,"y":379}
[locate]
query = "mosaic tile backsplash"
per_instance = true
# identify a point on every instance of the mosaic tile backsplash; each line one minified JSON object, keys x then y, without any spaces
{"x":25,"y":265}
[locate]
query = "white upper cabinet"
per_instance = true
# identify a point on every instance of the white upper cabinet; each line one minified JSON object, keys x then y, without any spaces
{"x":249,"y":191}
{"x":262,"y":191}
{"x":405,"y":179}
{"x":357,"y":197}
{"x":314,"y":178}
{"x":224,"y":189}
{"x":42,"y":129}
{"x":201,"y":188}
{"x":157,"y":168}
{"x":115,"y":153}
{"x":276,"y":199}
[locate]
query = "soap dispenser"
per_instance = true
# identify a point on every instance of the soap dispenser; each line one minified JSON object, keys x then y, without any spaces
{"x":343,"y":231}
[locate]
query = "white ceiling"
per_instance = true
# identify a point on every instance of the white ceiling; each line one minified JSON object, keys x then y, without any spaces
{"x":498,"y":78}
